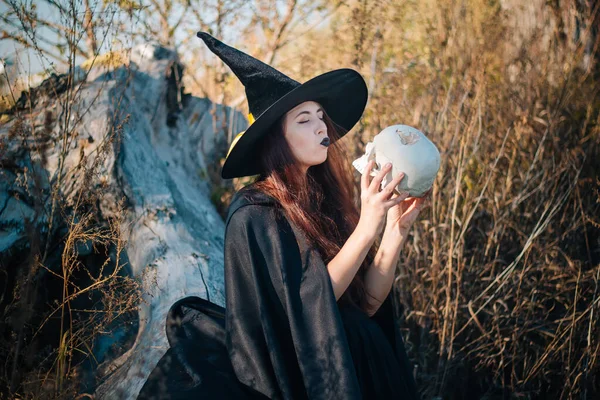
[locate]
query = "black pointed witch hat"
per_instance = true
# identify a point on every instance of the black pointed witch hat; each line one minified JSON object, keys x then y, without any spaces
{"x":341,"y":92}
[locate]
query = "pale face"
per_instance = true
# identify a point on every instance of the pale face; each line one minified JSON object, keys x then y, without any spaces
{"x":304,"y":129}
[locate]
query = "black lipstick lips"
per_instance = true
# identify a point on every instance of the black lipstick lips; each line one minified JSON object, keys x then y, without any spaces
{"x":325,"y":141}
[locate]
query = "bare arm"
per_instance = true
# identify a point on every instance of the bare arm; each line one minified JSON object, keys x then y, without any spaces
{"x":379,"y":278}
{"x":343,"y":267}
{"x":374,"y":205}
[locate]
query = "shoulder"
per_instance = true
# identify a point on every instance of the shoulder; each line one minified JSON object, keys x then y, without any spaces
{"x":260,"y":228}
{"x":250,"y":206}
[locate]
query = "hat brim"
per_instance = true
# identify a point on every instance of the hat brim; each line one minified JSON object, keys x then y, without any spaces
{"x":343,"y":94}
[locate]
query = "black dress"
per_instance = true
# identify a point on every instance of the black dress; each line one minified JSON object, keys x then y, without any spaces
{"x":282,"y":334}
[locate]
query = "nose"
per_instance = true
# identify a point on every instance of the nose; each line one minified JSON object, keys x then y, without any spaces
{"x":322,"y":128}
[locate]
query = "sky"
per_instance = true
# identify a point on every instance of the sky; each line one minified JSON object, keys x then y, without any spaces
{"x":31,"y":62}
{"x":24,"y":63}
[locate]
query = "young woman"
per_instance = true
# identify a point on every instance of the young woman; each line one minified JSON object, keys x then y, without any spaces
{"x":309,"y":311}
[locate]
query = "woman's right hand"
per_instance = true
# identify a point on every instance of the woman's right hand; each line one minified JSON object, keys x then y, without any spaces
{"x":376,"y":203}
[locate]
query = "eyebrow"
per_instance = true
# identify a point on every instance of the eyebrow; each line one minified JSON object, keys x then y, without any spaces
{"x":307,"y":112}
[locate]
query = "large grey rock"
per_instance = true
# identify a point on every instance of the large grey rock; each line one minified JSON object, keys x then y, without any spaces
{"x":174,"y":234}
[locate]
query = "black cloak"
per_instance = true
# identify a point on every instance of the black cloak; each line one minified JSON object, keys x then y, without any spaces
{"x":282,"y":334}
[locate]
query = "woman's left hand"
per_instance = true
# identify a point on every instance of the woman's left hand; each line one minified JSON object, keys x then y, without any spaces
{"x":404,"y":214}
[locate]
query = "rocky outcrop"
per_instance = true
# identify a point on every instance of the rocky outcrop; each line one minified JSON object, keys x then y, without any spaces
{"x":165,"y":144}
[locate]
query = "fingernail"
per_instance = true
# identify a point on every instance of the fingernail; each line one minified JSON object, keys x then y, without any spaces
{"x":388,"y":165}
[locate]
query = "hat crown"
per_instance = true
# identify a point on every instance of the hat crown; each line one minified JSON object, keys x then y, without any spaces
{"x":264,"y":84}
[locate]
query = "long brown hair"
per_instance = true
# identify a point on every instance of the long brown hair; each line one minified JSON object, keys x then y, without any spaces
{"x":321,"y":202}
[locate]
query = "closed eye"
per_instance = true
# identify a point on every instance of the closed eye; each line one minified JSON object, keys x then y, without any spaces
{"x":303,"y":122}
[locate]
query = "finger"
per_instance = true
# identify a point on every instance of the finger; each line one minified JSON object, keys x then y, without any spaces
{"x":376,"y":182}
{"x":414,"y":206}
{"x":421,"y":204}
{"x":411,"y":203}
{"x":389,"y":188}
{"x":396,"y":200}
{"x":364,"y":179}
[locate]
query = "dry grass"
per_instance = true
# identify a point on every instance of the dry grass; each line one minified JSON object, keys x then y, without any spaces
{"x":500,"y":283}
{"x":67,"y":286}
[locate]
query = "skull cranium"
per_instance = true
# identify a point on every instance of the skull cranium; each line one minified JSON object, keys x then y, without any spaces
{"x":409,"y":151}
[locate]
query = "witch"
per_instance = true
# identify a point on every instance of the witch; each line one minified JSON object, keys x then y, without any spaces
{"x":309,"y":307}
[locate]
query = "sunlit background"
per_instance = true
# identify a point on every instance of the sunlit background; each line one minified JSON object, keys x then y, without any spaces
{"x":498,"y":284}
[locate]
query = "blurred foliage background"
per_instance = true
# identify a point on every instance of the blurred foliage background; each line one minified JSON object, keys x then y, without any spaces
{"x":499,"y":284}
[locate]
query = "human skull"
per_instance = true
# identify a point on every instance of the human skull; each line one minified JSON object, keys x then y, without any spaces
{"x":409,"y":151}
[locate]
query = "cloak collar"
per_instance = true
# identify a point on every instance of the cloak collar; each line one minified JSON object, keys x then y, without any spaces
{"x":248,"y":195}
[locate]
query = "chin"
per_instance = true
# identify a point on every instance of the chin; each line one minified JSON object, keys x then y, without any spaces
{"x":318,"y":161}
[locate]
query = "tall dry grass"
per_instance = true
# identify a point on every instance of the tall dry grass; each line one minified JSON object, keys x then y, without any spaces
{"x":67,"y":287}
{"x":500,"y":280}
